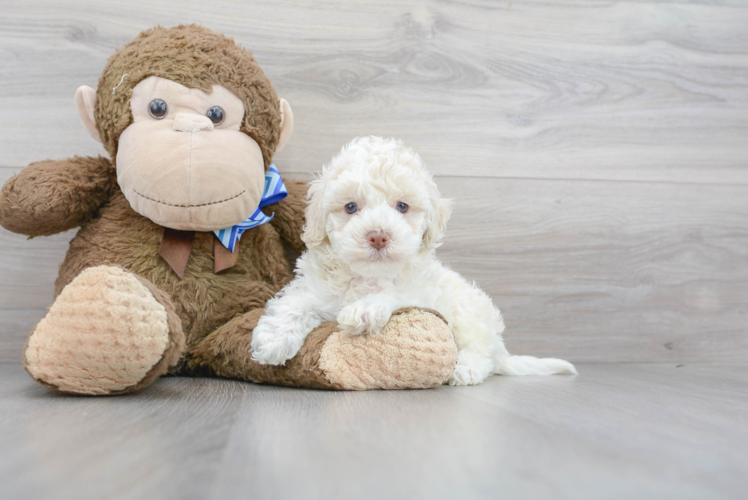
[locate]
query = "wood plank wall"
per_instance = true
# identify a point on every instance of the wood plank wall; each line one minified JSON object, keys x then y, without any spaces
{"x":597,"y":151}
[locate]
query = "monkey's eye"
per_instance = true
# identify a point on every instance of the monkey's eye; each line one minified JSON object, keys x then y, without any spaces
{"x":215,"y":114}
{"x":351,"y":208}
{"x":401,"y":207}
{"x":158,"y":108}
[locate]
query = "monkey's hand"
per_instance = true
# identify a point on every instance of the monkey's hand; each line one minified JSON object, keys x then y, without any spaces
{"x":289,"y":214}
{"x":50,"y":196}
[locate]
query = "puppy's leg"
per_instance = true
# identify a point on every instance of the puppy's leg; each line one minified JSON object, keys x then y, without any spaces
{"x":472,"y":368}
{"x":477,"y":326}
{"x":368,"y":315}
{"x":281,"y":332}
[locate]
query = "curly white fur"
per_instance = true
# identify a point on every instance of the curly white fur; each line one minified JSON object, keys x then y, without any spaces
{"x":343,"y":278}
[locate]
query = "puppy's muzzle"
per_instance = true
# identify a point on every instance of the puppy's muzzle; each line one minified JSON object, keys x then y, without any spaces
{"x":377,"y":239}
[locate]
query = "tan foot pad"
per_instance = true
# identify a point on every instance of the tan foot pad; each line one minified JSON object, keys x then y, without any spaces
{"x":103,"y":334}
{"x":415,"y":350}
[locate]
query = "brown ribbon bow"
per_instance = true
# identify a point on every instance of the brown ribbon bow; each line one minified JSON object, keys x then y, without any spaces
{"x":177,"y":245}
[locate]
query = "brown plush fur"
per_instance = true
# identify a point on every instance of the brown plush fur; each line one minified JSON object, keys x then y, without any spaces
{"x":203,"y":300}
{"x":53,"y":196}
{"x":226,"y":353}
{"x":416,"y":350}
{"x":209,"y":316}
{"x":49,"y":197}
{"x":197,"y":58}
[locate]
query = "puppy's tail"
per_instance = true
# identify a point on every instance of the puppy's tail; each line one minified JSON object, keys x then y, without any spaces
{"x":530,"y":365}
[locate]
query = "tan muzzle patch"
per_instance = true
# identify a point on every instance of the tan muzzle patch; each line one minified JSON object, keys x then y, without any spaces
{"x":195,"y":178}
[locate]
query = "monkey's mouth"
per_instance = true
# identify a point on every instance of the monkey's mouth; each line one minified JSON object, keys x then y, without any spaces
{"x":190,"y":206}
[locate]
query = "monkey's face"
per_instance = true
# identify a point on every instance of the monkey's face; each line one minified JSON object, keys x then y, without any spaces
{"x":183,"y":162}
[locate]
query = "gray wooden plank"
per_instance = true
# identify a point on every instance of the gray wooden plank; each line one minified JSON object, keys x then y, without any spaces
{"x":589,"y":271}
{"x":166,"y":442}
{"x":615,"y":431}
{"x":619,"y":90}
{"x":589,"y":437}
{"x":15,"y":327}
{"x":597,"y":271}
{"x":29,"y":268}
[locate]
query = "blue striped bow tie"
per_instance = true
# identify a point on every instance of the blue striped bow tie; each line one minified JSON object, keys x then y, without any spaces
{"x":274,"y":192}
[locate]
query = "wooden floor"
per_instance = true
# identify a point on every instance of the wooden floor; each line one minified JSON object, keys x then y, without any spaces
{"x":614,"y":431}
{"x":597,"y":154}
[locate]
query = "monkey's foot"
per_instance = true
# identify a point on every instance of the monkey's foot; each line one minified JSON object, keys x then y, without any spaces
{"x":108,"y":332}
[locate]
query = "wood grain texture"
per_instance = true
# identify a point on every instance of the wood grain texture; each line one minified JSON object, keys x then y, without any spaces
{"x":614,"y":432}
{"x":15,"y":326}
{"x":592,"y":271}
{"x":571,"y":89}
{"x":596,"y":151}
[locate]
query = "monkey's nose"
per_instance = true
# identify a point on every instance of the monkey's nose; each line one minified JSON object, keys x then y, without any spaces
{"x":190,"y":122}
{"x":377,"y":239}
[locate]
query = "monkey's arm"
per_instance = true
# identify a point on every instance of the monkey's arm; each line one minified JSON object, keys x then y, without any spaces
{"x":50,"y":196}
{"x":289,"y":214}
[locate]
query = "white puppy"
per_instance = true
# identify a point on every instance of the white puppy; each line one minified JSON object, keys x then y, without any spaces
{"x":374,"y":220}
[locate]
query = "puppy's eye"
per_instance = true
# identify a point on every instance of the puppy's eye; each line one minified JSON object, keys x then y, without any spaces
{"x":216,"y":115}
{"x":351,"y":208}
{"x":158,"y":108}
{"x":401,"y":207}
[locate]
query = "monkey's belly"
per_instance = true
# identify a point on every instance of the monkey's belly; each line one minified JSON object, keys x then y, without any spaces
{"x":203,"y":300}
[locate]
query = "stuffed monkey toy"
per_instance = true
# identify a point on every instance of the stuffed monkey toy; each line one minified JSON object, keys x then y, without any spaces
{"x":156,"y":280}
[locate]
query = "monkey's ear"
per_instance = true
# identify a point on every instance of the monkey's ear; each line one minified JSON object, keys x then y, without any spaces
{"x":286,"y":124}
{"x":85,"y":102}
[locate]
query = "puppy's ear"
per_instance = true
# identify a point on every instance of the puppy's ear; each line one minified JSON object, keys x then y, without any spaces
{"x":436,"y":220}
{"x":314,"y":227}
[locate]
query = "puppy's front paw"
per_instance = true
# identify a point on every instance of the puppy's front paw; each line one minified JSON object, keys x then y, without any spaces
{"x":361,"y":317}
{"x":273,"y":348}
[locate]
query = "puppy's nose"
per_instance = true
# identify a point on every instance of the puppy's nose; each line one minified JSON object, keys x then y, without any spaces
{"x":377,"y":239}
{"x":191,"y":122}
